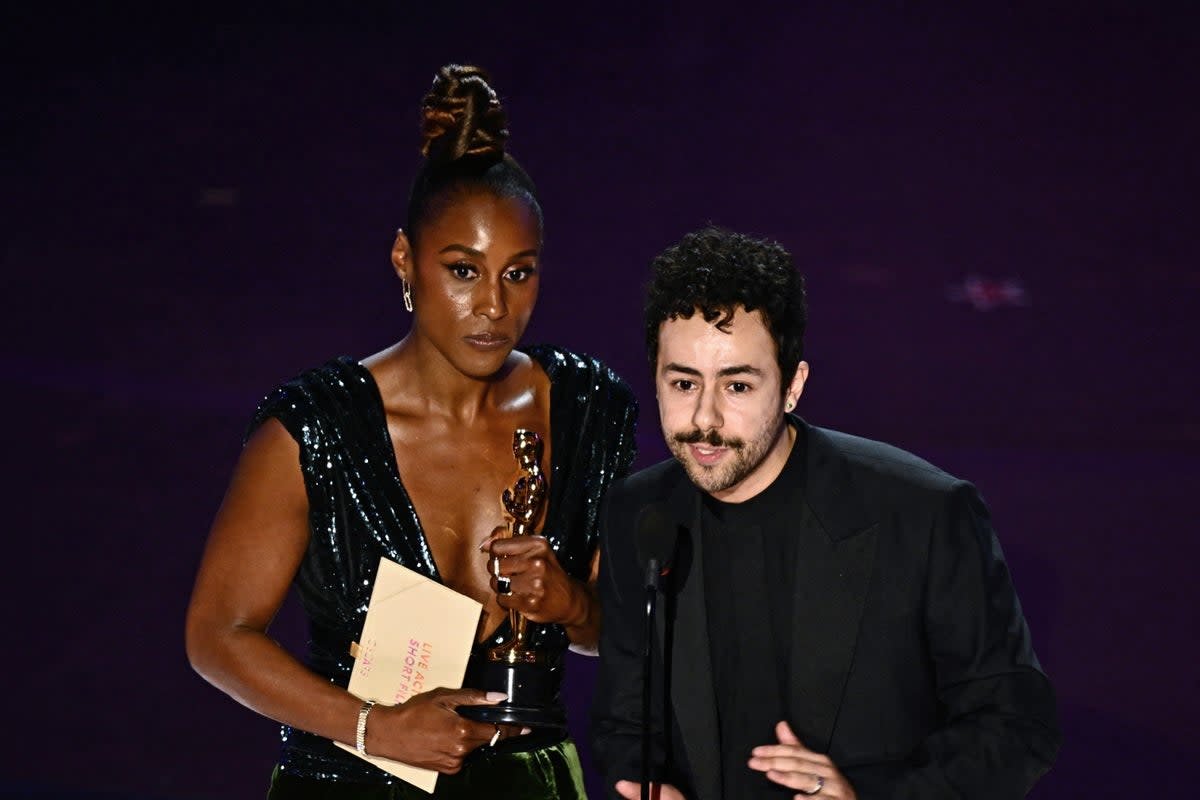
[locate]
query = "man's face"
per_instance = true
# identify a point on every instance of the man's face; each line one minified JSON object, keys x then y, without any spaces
{"x":721,"y":402}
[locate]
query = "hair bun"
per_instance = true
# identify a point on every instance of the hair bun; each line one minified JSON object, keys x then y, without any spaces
{"x":461,"y":116}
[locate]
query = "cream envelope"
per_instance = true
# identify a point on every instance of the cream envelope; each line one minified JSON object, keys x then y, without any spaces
{"x":417,"y":636}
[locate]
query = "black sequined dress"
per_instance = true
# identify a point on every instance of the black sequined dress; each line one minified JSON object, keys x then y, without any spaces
{"x":359,"y":510}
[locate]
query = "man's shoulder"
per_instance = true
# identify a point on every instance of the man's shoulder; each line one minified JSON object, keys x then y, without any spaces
{"x":876,"y":464}
{"x":854,"y":482}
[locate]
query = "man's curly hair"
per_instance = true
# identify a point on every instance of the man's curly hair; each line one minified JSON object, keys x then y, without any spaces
{"x":714,"y":271}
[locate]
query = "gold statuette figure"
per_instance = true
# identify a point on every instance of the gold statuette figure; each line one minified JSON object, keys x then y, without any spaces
{"x":523,"y":502}
{"x":514,"y":667}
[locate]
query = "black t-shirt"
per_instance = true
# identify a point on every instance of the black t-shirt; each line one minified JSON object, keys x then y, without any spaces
{"x":749,"y":564}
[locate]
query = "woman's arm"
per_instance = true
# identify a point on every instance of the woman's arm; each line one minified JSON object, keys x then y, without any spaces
{"x":585,"y":634}
{"x":254,"y":549}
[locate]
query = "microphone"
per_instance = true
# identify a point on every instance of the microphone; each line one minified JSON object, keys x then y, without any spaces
{"x":656,"y":535}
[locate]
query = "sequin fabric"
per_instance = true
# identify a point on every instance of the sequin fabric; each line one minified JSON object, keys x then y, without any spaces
{"x":359,"y":509}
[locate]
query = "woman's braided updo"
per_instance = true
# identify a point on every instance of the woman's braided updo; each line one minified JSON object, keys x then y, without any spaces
{"x":463,"y":137}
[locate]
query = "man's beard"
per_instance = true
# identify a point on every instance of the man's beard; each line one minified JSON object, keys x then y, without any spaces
{"x":741,"y":460}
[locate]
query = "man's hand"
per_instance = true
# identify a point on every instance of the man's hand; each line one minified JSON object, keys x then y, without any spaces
{"x":658,"y":791}
{"x":793,"y":765}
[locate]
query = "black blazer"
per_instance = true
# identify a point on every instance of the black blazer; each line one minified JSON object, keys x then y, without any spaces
{"x":911,"y":663}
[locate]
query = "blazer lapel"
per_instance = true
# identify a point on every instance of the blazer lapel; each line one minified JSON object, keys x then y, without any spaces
{"x":683,"y":633}
{"x":835,"y":558}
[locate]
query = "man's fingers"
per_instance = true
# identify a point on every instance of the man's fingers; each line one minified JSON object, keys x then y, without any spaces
{"x":795,"y":750}
{"x":784,"y":733}
{"x":801,"y":781}
{"x":792,"y":750}
{"x":783,"y":764}
{"x":793,"y":765}
{"x":629,"y":789}
{"x":788,"y":758}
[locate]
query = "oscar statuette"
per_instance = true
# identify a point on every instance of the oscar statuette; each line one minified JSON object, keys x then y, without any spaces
{"x":528,"y":676}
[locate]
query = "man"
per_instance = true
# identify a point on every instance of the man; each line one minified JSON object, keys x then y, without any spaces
{"x":838,"y":619}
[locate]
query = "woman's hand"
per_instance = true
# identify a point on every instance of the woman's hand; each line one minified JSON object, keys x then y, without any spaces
{"x":541,"y":590}
{"x":426,"y":731}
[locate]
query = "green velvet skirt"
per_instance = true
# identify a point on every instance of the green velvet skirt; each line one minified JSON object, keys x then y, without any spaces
{"x":548,"y":773}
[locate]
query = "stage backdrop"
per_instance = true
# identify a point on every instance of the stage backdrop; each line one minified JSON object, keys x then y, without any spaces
{"x":996,"y":211}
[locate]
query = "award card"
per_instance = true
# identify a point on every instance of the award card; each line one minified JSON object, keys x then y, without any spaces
{"x":417,"y":636}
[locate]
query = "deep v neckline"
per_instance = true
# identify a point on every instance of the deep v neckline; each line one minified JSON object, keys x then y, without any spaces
{"x":388,"y":448}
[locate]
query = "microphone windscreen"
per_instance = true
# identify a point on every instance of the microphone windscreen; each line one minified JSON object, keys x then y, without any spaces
{"x":655,"y":535}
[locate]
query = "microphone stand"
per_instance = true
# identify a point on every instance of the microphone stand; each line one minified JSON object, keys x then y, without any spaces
{"x":652,"y":574}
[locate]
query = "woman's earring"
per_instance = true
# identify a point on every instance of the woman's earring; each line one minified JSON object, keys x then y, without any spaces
{"x":407,"y":296}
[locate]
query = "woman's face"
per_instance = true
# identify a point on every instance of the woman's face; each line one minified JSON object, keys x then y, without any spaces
{"x":474,"y":277}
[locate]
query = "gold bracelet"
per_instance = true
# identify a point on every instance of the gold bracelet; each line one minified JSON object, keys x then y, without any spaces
{"x":360,"y":733}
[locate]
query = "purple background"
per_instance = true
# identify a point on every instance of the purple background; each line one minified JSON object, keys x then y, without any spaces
{"x":196,"y":213}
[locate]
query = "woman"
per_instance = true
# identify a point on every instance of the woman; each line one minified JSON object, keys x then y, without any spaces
{"x":405,"y":455}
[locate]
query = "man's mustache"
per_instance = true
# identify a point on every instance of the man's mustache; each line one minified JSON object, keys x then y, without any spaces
{"x":712,"y":438}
